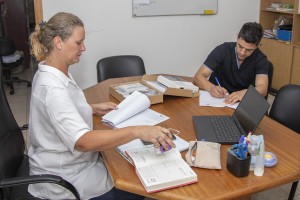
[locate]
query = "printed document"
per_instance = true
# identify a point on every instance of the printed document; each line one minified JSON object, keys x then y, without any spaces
{"x":205,"y":99}
{"x":133,"y":111}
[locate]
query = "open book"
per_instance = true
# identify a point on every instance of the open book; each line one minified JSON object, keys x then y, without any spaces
{"x":176,"y":82}
{"x":133,"y":111}
{"x":163,"y":171}
{"x":180,"y":143}
{"x":205,"y":99}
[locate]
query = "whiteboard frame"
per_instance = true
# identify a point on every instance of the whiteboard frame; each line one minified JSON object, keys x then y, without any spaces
{"x":147,"y":8}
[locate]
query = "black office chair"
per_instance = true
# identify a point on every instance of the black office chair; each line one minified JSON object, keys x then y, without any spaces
{"x":270,"y":77}
{"x":120,"y":66}
{"x":286,"y":110}
{"x":14,"y":163}
{"x":7,"y":48}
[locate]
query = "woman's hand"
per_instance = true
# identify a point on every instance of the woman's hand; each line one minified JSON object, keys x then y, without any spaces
{"x":157,"y":135}
{"x":103,"y":108}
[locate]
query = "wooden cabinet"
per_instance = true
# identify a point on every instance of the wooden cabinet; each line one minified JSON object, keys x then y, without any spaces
{"x":281,"y":55}
{"x":295,"y":77}
{"x":285,"y":56}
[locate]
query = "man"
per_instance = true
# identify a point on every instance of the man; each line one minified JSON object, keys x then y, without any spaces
{"x":233,"y":66}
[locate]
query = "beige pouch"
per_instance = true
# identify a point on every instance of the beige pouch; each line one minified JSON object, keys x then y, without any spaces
{"x":207,"y":155}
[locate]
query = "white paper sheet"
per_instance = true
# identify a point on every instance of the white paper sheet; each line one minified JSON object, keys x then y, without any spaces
{"x":205,"y":99}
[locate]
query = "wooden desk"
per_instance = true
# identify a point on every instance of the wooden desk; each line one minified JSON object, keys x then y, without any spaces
{"x":213,"y":184}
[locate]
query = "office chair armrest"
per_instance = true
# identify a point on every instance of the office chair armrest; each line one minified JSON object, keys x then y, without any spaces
{"x":44,"y":178}
{"x":24,"y":127}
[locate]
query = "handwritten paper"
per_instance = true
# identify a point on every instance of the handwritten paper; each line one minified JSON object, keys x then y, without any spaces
{"x":205,"y":99}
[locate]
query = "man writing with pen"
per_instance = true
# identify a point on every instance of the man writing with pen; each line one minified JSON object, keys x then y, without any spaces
{"x":232,"y":66}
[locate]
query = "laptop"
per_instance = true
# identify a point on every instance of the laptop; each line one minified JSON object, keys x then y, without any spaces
{"x":225,"y":129}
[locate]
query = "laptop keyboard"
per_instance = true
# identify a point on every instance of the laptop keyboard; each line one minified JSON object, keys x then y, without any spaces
{"x":225,"y":131}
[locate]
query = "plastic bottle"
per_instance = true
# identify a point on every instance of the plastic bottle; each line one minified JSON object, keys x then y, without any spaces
{"x":260,"y":160}
{"x":253,"y":150}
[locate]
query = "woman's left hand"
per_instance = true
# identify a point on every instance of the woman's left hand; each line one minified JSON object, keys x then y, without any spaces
{"x":103,"y":108}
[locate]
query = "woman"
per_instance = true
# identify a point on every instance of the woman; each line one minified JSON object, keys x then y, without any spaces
{"x":61,"y":136}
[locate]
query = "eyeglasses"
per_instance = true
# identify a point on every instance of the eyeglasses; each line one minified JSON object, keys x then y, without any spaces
{"x":246,"y":50}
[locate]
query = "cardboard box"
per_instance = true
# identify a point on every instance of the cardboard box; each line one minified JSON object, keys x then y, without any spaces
{"x":146,"y":81}
{"x":169,"y":91}
{"x":153,"y":99}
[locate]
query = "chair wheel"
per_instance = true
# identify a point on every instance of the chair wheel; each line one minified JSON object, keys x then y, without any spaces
{"x":28,"y":84}
{"x":11,"y":92}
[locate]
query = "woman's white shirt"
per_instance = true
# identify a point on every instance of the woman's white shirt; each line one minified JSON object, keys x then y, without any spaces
{"x":59,"y":116}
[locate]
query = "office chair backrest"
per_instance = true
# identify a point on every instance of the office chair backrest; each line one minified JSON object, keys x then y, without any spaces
{"x":120,"y":66}
{"x":14,"y":164}
{"x":7,"y":47}
{"x":12,"y":143}
{"x":286,"y":108}
{"x":270,"y":77}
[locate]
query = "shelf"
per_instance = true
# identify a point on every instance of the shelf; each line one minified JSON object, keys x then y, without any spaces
{"x":278,"y":11}
{"x":297,"y":45}
{"x":280,"y":41}
{"x":285,"y":56}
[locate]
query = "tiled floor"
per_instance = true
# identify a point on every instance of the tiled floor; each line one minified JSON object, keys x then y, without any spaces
{"x":19,"y":103}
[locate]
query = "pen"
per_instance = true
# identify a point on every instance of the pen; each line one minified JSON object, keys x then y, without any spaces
{"x":193,"y":152}
{"x":219,"y":85}
{"x":218,"y":81}
{"x":248,"y":137}
{"x":242,"y":138}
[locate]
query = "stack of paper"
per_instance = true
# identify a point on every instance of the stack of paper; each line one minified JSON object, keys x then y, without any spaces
{"x":133,"y":111}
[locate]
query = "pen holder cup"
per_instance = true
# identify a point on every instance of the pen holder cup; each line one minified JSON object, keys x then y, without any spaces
{"x":239,"y":167}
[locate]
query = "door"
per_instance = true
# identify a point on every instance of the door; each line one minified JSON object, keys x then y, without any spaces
{"x":15,"y":25}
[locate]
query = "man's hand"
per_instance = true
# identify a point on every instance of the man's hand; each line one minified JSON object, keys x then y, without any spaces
{"x":235,"y":97}
{"x":218,"y":92}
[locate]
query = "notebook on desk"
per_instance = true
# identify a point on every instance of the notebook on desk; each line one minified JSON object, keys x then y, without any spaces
{"x":226,"y":129}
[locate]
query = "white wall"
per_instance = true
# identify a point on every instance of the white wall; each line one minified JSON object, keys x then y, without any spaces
{"x":167,"y":44}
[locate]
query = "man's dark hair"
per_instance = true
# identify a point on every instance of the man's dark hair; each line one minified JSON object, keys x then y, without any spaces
{"x":251,"y":32}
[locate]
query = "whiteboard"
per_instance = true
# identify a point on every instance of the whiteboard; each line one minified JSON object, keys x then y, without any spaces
{"x":173,"y":7}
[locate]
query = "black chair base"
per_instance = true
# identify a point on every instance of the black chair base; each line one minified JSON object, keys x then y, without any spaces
{"x":15,"y":80}
{"x":10,"y":80}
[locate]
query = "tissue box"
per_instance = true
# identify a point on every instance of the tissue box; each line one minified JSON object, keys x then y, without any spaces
{"x":284,"y":35}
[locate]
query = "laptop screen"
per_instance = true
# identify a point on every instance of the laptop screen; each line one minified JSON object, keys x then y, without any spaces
{"x":251,"y":110}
